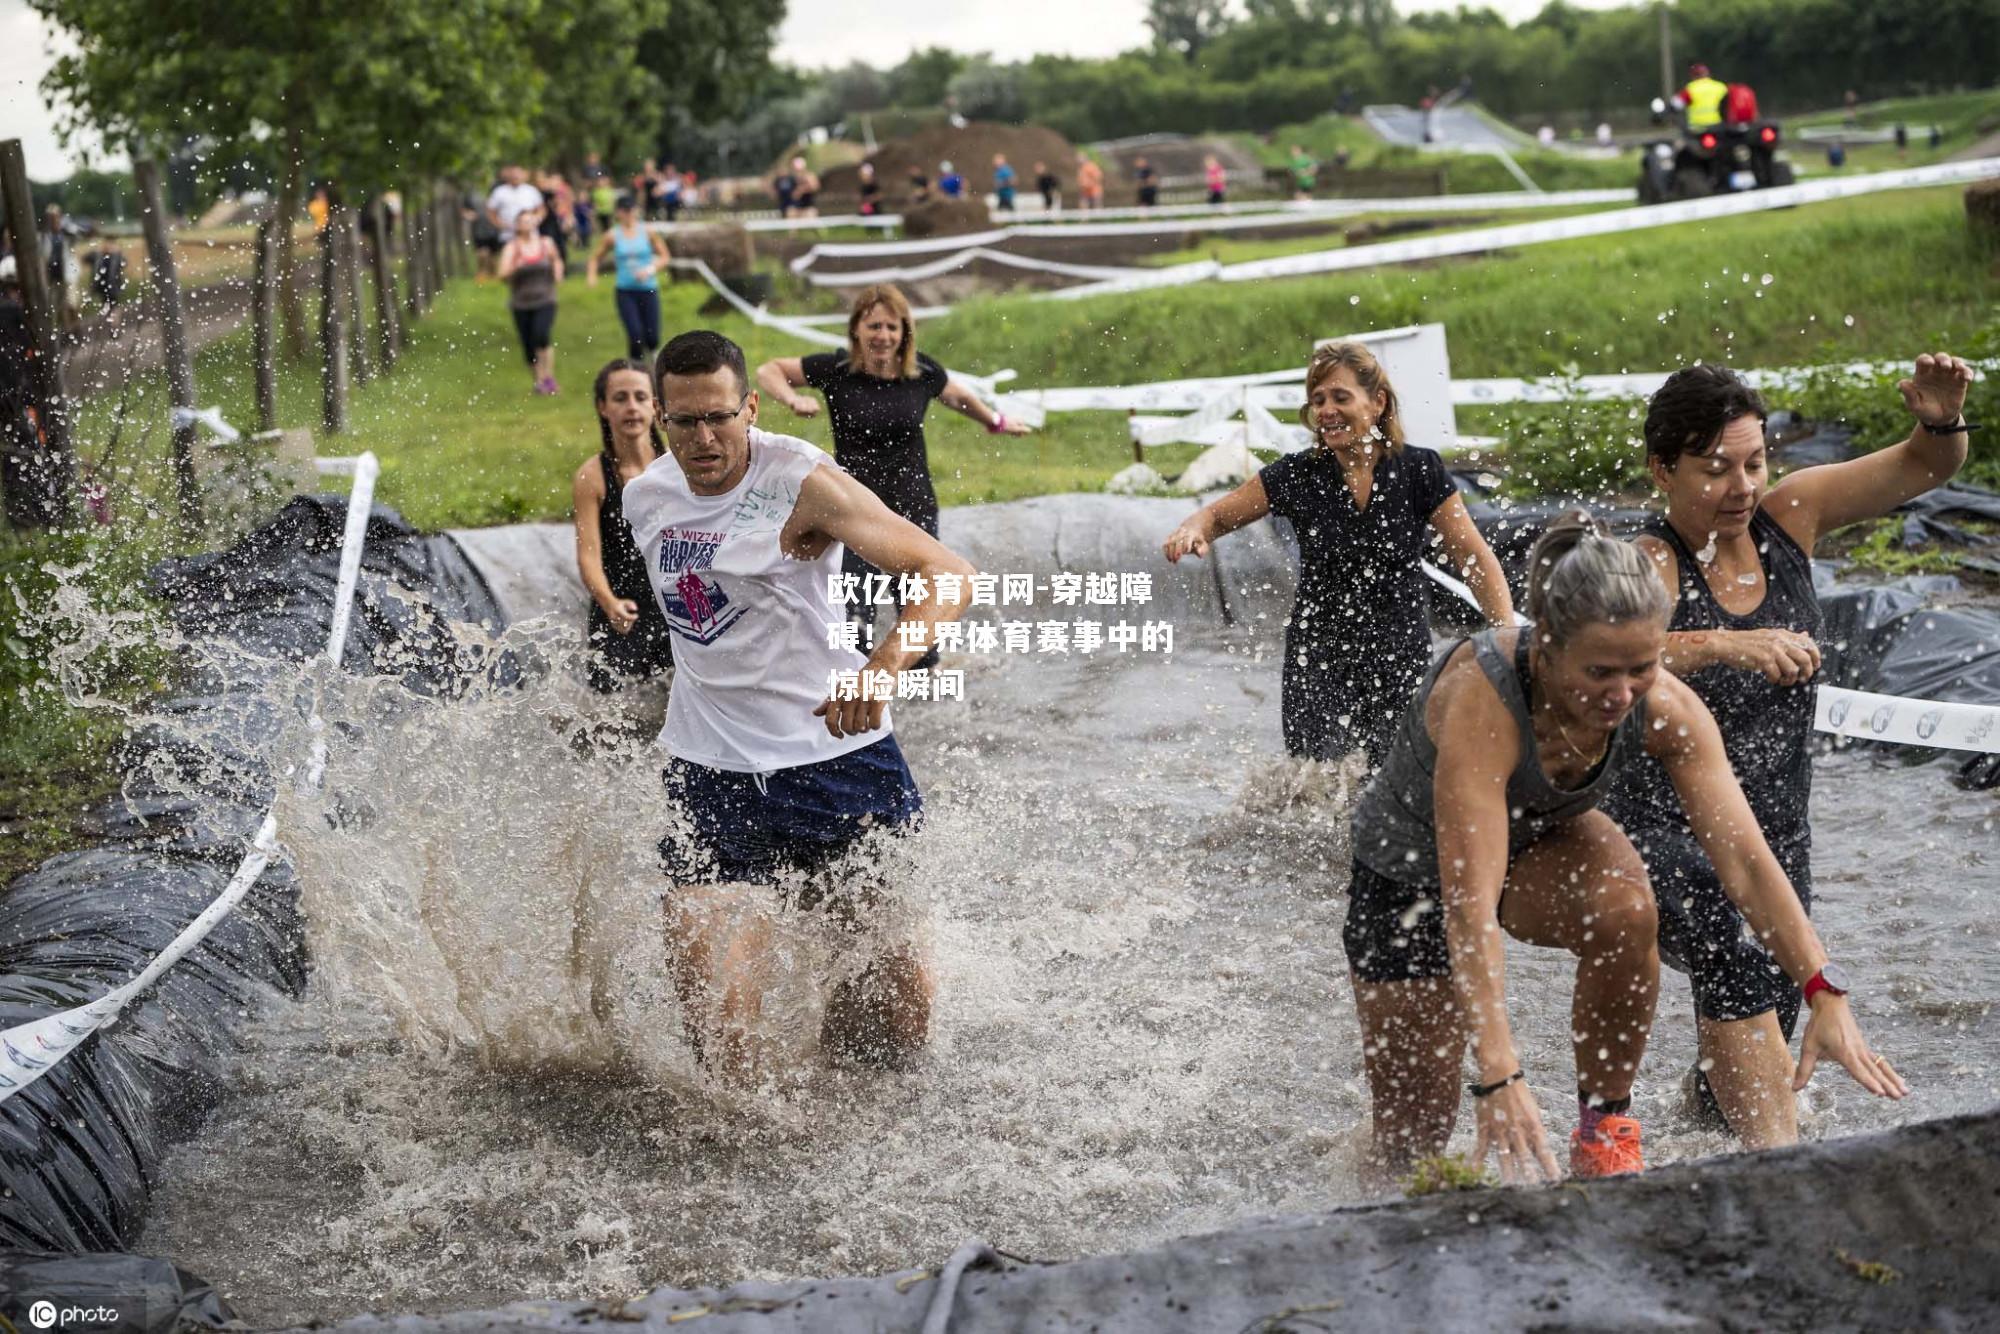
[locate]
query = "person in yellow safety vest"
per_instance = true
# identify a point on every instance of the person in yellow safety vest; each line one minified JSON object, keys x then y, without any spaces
{"x":1702,"y":98}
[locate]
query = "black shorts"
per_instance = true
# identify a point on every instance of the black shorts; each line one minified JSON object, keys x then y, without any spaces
{"x":537,"y":327}
{"x":1702,"y":934}
{"x":1394,"y":932}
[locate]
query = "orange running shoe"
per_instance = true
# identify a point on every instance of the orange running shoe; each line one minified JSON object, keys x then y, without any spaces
{"x":1615,"y":1152}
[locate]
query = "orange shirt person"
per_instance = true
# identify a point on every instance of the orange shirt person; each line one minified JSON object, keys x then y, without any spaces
{"x":1090,"y":183}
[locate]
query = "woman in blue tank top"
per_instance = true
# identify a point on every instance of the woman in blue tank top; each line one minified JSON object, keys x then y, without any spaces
{"x":1736,"y":554}
{"x":638,"y":256}
{"x":1483,"y":821}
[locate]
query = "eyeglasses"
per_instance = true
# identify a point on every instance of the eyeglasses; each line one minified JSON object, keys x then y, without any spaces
{"x":686,"y":422}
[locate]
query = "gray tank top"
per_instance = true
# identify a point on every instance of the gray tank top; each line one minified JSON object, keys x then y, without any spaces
{"x":532,"y":284}
{"x":1395,"y":822}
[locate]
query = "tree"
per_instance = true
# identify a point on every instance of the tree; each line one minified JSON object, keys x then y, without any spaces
{"x":598,"y":89}
{"x":713,"y":57}
{"x":1187,"y":26}
{"x":986,"y":91}
{"x":372,"y":91}
{"x":924,"y":77}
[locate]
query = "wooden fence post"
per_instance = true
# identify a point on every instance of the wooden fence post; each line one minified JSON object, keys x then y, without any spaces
{"x":388,"y":337}
{"x":263,"y":311}
{"x":332,"y":339}
{"x":173,"y":333}
{"x":40,"y":474}
{"x":357,"y":320}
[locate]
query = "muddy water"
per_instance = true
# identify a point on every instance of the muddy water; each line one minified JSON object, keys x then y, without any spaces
{"x":1144,"y":1026}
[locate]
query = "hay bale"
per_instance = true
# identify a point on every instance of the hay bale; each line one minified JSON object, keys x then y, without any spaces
{"x":946,"y":217}
{"x":725,"y":247}
{"x":1982,"y":207}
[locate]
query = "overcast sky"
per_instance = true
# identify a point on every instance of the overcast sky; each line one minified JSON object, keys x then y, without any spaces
{"x":817,"y":33}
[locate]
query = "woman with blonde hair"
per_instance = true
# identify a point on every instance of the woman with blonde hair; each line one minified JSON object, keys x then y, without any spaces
{"x":877,"y":392}
{"x":1364,"y":504}
{"x":1483,"y":824}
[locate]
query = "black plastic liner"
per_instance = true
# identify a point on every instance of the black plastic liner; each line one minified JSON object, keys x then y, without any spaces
{"x":78,"y":1147}
{"x":1888,"y":1231}
{"x":142,"y":1296}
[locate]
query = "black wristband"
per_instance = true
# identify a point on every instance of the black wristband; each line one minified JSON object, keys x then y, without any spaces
{"x":1958,"y":427}
{"x":1487,"y":1090}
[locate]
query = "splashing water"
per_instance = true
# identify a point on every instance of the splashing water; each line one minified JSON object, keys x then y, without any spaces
{"x":1144,"y":1024}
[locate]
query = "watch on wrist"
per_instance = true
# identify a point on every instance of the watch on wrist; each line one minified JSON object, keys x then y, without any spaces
{"x":1832,"y":977}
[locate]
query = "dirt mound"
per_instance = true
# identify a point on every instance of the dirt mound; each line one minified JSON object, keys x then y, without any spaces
{"x":1178,"y":157}
{"x":971,"y":150}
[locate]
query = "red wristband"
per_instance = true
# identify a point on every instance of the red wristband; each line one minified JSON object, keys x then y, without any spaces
{"x":1816,"y":984}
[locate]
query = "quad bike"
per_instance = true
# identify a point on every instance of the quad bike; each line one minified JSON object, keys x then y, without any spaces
{"x":1715,"y":159}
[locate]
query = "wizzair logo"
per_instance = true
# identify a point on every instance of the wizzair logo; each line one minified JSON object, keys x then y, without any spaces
{"x":696,"y":606}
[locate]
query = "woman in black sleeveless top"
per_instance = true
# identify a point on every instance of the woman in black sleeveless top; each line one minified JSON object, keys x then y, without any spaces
{"x":1738,"y":559}
{"x":627,"y":635}
{"x":1481,"y":823}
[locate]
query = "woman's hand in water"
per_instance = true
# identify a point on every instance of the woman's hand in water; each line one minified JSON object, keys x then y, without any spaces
{"x":1190,"y":539}
{"x":1510,"y":1128}
{"x":623,"y":615}
{"x":1832,"y":1033}
{"x":1784,"y":657}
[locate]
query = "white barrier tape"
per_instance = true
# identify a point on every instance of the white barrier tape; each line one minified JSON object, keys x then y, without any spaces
{"x":29,"y":1051}
{"x":1908,"y":722}
{"x":1459,"y":587}
{"x":1602,"y":224}
{"x":209,"y":417}
{"x":1203,"y":218}
{"x":757,"y":315}
{"x":959,"y":259}
{"x":360,"y":502}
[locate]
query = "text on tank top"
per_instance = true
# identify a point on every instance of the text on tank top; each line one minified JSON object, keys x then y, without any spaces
{"x":750,"y":623}
{"x":1395,"y":822}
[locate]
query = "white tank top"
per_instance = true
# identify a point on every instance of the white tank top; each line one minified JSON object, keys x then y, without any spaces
{"x":751,"y":661}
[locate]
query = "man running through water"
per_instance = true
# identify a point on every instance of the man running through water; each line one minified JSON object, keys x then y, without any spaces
{"x":778,"y":785}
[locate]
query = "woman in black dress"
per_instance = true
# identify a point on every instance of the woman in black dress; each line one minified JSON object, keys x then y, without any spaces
{"x":1364,"y":504}
{"x":877,"y":393}
{"x":627,"y":636}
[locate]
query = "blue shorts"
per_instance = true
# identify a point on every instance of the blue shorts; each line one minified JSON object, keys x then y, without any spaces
{"x":788,"y":825}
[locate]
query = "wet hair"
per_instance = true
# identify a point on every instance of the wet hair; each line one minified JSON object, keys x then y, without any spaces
{"x":883,"y":294}
{"x":601,"y":389}
{"x":1368,"y":373}
{"x":625,"y":201}
{"x":698,"y":352}
{"x":1579,"y":574}
{"x":1688,"y":413}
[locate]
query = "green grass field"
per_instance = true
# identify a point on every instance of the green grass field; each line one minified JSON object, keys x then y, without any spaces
{"x":464,"y":443}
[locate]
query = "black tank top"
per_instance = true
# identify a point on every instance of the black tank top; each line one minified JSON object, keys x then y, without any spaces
{"x":1766,"y":728}
{"x":624,"y":567}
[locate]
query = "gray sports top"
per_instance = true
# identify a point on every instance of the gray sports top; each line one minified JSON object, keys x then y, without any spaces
{"x":1395,"y":822}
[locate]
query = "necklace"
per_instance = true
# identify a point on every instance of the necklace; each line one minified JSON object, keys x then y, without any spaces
{"x":1574,"y":749}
